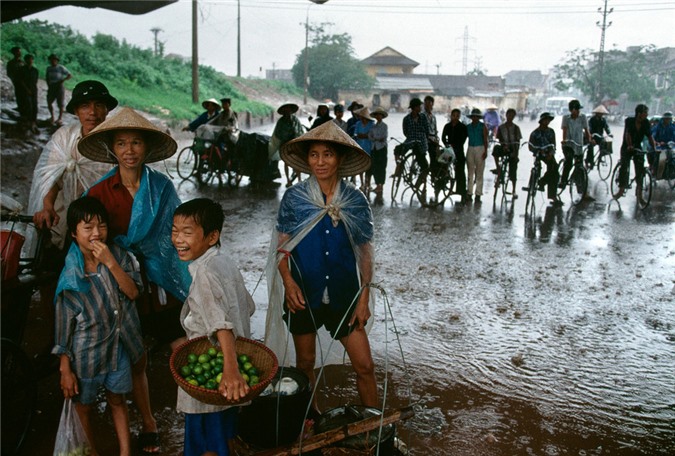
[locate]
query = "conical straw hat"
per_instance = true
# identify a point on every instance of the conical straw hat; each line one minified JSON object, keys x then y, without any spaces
{"x":355,"y":160}
{"x":363,"y":112}
{"x":600,"y":109}
{"x":97,"y":144}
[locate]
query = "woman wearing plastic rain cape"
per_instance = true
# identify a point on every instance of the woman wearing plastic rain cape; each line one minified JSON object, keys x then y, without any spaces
{"x":305,"y":208}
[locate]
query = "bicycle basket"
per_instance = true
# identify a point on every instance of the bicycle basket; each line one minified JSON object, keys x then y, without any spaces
{"x":446,"y":155}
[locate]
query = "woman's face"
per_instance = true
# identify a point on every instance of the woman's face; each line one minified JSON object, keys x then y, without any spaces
{"x":129,"y":148}
{"x":323,"y":160}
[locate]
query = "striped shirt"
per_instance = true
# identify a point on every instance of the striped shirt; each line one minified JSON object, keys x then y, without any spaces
{"x":92,"y":327}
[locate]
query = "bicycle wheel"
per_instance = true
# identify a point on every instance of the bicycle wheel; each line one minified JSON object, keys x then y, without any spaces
{"x":669,"y":173}
{"x":561,"y":188}
{"x":18,"y":396}
{"x":604,"y":165}
{"x":395,"y":184}
{"x":614,"y":184}
{"x":644,"y":192}
{"x":207,"y":169}
{"x":578,"y":184}
{"x":186,"y":163}
{"x":440,"y":181}
{"x":531,"y":192}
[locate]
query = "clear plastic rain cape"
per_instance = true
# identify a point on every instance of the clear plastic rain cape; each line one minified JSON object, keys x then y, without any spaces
{"x":149,"y":233}
{"x":348,"y":206}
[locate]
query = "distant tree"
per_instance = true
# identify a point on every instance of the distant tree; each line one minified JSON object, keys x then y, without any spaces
{"x":332,"y":65}
{"x":629,"y":72}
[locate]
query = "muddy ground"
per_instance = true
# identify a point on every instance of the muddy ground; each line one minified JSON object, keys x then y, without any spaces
{"x":550,"y":337}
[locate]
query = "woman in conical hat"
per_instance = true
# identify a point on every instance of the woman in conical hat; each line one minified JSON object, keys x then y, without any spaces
{"x":140,"y":202}
{"x":598,"y":126}
{"x":321,"y":257}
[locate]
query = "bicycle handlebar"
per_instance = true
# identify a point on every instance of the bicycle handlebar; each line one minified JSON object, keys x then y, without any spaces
{"x":15,"y":217}
{"x":571,"y":141}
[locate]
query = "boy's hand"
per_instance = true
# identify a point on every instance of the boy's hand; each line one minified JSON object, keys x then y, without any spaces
{"x":69,"y":384}
{"x":102,"y":253}
{"x":232,"y":385}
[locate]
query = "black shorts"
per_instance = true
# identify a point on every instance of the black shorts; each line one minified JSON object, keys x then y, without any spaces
{"x":308,"y":321}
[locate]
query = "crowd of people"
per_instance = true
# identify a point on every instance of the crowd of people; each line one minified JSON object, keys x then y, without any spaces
{"x":135,"y":261}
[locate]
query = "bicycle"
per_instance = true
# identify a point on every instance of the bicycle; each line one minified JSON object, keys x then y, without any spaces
{"x":207,"y":160}
{"x":577,"y":183}
{"x":407,"y":169}
{"x":643,"y":191}
{"x":535,"y":177}
{"x":19,"y":371}
{"x":665,"y":171}
{"x":439,"y":177}
{"x":503,"y":171}
{"x":602,"y":156}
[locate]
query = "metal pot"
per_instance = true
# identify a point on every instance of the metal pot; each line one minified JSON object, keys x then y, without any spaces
{"x":276,"y":419}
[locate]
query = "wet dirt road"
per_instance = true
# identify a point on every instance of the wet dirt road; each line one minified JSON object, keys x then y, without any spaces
{"x":552,"y":337}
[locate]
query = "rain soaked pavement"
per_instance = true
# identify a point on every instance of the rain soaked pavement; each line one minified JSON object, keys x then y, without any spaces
{"x":552,"y":337}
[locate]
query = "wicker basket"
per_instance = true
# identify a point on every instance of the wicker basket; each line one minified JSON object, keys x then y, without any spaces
{"x":262,"y":358}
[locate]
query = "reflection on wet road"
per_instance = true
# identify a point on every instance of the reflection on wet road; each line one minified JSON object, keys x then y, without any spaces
{"x":553,"y":335}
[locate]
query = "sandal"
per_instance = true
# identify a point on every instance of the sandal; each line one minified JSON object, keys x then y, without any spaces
{"x":149,"y":440}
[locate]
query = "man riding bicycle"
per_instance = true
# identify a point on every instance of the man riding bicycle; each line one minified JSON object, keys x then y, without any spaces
{"x":597,"y":126}
{"x":416,"y":132}
{"x":542,"y":144}
{"x":635,"y":130}
{"x":574,"y":131}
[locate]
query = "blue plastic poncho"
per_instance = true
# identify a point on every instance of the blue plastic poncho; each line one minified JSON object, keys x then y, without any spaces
{"x":306,"y":203}
{"x":149,"y":233}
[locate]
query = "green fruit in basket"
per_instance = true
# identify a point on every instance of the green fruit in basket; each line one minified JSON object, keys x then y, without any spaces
{"x":193,"y":382}
{"x":197,"y":370}
{"x":220,"y":355}
{"x":219,"y":377}
{"x":254,"y":380}
{"x":252,"y":371}
{"x":242,"y":359}
{"x":211,"y":384}
{"x":212,"y":352}
{"x":185,"y":371}
{"x":246,"y":377}
{"x":207,"y":374}
{"x":246,"y":366}
{"x":192,"y":358}
{"x":200,"y":379}
{"x":206,"y":367}
{"x":203,"y":358}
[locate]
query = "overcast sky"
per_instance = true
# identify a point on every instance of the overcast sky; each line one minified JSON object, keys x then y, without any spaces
{"x":503,"y":35}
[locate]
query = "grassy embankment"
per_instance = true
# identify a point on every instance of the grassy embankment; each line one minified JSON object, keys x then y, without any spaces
{"x":155,"y":84}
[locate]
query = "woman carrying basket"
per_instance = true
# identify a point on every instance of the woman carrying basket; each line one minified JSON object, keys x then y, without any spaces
{"x":321,"y":261}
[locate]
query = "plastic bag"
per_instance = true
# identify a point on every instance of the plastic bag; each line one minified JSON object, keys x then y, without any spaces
{"x":70,"y":438}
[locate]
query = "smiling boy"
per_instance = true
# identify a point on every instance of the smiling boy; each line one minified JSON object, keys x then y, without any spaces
{"x":217,"y":306}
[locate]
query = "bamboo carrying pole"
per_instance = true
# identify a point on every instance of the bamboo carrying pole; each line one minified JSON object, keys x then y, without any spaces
{"x":335,"y":435}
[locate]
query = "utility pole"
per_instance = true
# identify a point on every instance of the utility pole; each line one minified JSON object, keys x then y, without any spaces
{"x":195,"y":55}
{"x":306,"y":79}
{"x":156,"y":31}
{"x":604,"y":25}
{"x":238,"y":39}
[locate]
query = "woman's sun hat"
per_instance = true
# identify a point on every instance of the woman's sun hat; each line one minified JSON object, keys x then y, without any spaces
{"x":600,"y":109}
{"x":379,"y":110}
{"x":363,"y":112}
{"x":211,"y":100}
{"x":545,"y":115}
{"x":96,"y":145}
{"x":354,"y":161}
{"x":289,"y":104}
